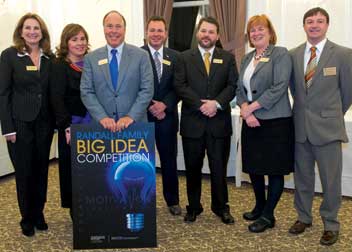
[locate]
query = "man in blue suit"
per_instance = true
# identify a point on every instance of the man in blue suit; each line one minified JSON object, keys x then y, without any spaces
{"x":163,"y":108}
{"x":117,"y":79}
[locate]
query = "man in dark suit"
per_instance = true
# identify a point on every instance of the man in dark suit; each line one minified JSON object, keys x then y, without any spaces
{"x":322,"y":92}
{"x":205,"y":80}
{"x":163,"y":108}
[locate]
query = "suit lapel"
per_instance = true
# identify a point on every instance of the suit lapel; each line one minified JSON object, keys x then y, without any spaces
{"x":298,"y":63}
{"x":166,"y":67}
{"x":155,"y":82}
{"x":123,"y":67}
{"x":324,"y":57}
{"x":103,"y":54}
{"x":198,"y":62}
{"x":245,"y":62}
{"x":44,"y":63}
{"x":28,"y":62}
{"x":262,"y":64}
{"x":214,"y":66}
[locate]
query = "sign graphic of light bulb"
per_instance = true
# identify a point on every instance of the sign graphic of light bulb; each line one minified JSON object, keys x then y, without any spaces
{"x":135,"y":183}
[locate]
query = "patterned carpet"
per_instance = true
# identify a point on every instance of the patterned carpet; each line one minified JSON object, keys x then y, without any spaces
{"x":207,"y":234}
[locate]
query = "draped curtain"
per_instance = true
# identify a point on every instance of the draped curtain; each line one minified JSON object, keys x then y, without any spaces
{"x":158,"y":8}
{"x":232,"y":17}
{"x":182,"y":28}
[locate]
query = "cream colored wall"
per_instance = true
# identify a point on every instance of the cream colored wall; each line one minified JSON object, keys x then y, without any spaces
{"x":58,"y":13}
{"x":287,"y":15}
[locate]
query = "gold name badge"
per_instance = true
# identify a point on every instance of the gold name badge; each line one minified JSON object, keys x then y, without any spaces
{"x":31,"y":68}
{"x":329,"y":71}
{"x":217,"y":61}
{"x":102,"y":62}
{"x":264,"y":60}
{"x":166,"y":62}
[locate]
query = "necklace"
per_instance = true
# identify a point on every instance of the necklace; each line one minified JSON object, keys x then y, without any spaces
{"x":258,"y":57}
{"x":78,"y":66}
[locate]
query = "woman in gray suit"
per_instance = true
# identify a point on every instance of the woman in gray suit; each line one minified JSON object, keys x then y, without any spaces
{"x":267,"y":130}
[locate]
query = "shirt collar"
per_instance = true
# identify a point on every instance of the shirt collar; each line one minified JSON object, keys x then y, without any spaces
{"x":119,"y":48}
{"x":202,"y":51}
{"x":152,"y":50}
{"x":25,"y":53}
{"x":319,"y":46}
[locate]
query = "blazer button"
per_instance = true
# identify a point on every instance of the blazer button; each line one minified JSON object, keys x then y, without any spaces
{"x":254,"y":91}
{"x":116,"y":95}
{"x":114,"y":113}
{"x":39,"y":96}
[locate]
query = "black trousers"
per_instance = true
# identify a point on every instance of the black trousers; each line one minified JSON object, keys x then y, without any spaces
{"x":218,"y":150}
{"x":65,"y":170}
{"x":166,"y":143}
{"x":30,"y":158}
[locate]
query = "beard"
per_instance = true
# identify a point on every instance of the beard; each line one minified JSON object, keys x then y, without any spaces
{"x":209,"y":44}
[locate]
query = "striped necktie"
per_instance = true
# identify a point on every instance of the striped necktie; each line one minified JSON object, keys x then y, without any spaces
{"x":311,"y":67}
{"x":157,"y":64}
{"x":207,"y":61}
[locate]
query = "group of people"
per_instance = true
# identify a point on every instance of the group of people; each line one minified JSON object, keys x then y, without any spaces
{"x":119,"y":84}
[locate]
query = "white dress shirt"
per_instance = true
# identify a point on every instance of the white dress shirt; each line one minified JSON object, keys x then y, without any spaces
{"x":319,"y":46}
{"x":160,"y":56}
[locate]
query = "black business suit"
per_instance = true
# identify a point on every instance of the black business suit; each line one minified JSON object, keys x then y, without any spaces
{"x":24,"y":109}
{"x":66,"y":101}
{"x":201,"y":133}
{"x":166,"y":129}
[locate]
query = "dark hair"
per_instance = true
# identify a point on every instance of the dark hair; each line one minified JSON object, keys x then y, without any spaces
{"x":261,"y":20}
{"x":156,"y":18}
{"x":19,"y":42}
{"x":210,"y":20}
{"x":68,"y":32}
{"x":114,"y":11}
{"x":315,"y":11}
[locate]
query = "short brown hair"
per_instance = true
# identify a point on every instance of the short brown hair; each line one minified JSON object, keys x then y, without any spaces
{"x":114,"y":11}
{"x":261,"y":20}
{"x":315,"y":11}
{"x":68,"y":32}
{"x":19,"y":42}
{"x":210,"y":20}
{"x":156,"y":18}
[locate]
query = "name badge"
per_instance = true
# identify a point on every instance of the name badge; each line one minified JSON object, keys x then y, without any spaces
{"x":166,"y":62}
{"x":264,"y":60}
{"x":102,"y":62}
{"x":329,"y":71}
{"x":217,"y":61}
{"x":31,"y":68}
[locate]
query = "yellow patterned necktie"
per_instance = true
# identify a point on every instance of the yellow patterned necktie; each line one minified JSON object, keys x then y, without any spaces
{"x":207,"y":61}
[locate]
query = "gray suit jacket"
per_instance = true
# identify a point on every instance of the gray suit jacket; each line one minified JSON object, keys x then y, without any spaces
{"x":134,"y":88}
{"x":319,"y":113}
{"x":269,"y":83}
